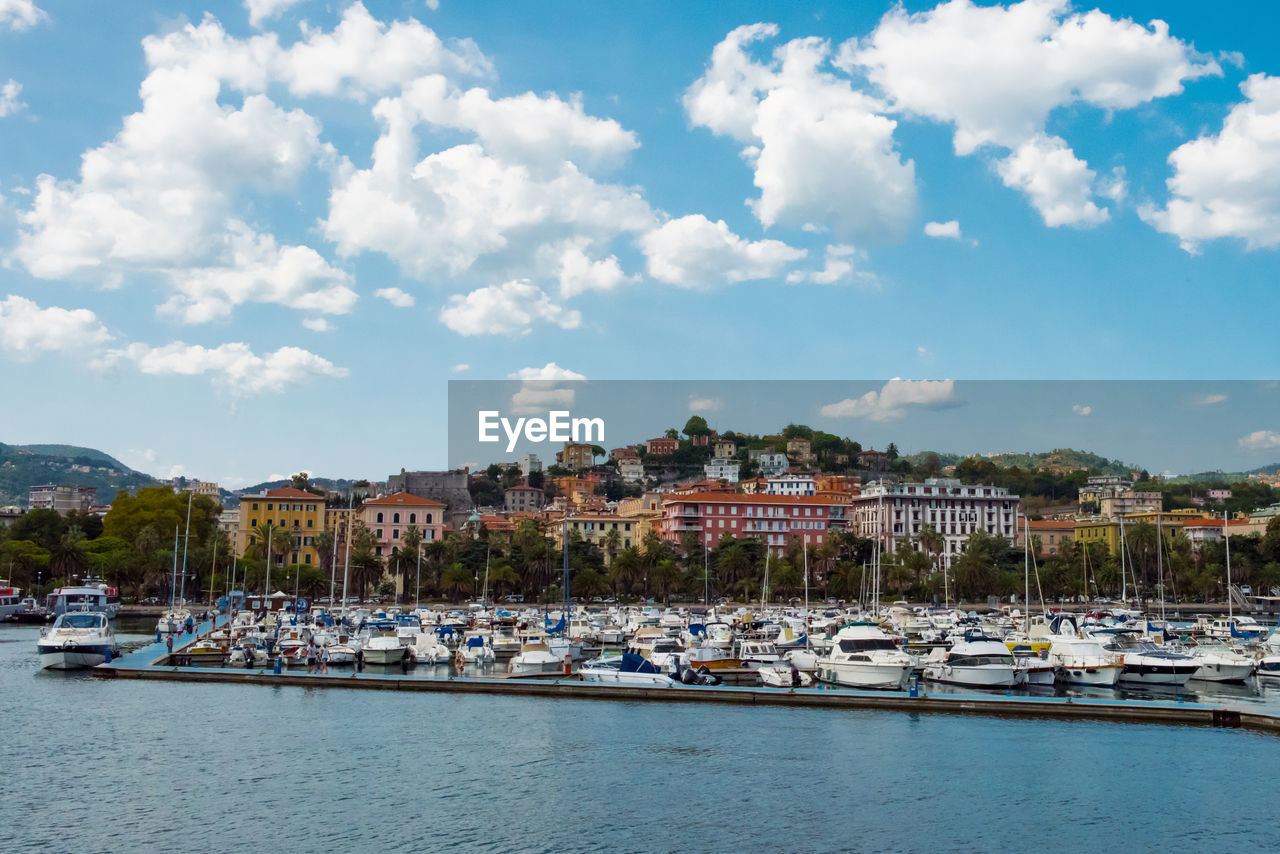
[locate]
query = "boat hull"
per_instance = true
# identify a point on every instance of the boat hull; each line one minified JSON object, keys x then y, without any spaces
{"x":384,"y":655}
{"x":856,"y":674}
{"x":976,"y":676}
{"x":1169,"y":675}
{"x":73,"y":658}
{"x":1224,"y":672}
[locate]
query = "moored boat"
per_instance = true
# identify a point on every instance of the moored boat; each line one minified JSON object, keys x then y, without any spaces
{"x":77,"y":640}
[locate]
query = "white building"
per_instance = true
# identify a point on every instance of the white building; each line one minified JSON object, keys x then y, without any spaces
{"x":529,"y":463}
{"x":891,"y":512}
{"x":722,"y":469}
{"x":631,"y":469}
{"x":792,"y":484}
{"x":771,"y":464}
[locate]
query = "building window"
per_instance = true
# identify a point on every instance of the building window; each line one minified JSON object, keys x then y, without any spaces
{"x":253,"y":523}
{"x":252,"y":540}
{"x":378,"y":551}
{"x":379,"y":519}
{"x":255,"y":505}
{"x":306,"y":558}
{"x":395,"y":533}
{"x":395,"y":517}
{"x":269,"y":507}
{"x":379,"y":536}
{"x":311,"y":523}
{"x":413,"y":517}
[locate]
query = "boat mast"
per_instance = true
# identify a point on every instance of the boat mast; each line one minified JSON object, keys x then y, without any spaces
{"x":173,"y":582}
{"x":1123,"y":598}
{"x":346,"y":565}
{"x":1026,"y":574}
{"x":706,"y":575}
{"x":186,"y":541}
{"x":213,"y":568}
{"x":1227,"y":539}
{"x":1160,"y":559}
{"x":484,"y":591}
{"x":417,"y":579}
{"x":806,"y":592}
{"x":333,"y":570}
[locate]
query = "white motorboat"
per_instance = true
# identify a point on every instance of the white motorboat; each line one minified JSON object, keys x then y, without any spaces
{"x":1080,"y":660}
{"x":1035,"y":671}
{"x":625,"y":669}
{"x":754,"y":654}
{"x":90,"y":596}
{"x":783,"y":676}
{"x":534,"y":657}
{"x":77,"y":640}
{"x":475,"y":649}
{"x":383,"y":648}
{"x":975,"y":661}
{"x":1145,"y":663}
{"x":863,"y":656}
{"x":172,"y":622}
{"x":430,"y":651}
{"x":805,"y":660}
{"x":1220,"y":663}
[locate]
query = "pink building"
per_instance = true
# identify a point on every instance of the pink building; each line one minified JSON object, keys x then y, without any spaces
{"x":391,"y":515}
{"x":773,"y":518}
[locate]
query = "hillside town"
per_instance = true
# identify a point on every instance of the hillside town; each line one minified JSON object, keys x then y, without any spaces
{"x":687,"y":514}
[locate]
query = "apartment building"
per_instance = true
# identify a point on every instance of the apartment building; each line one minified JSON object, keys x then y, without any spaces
{"x":297,"y":511}
{"x":891,"y":512}
{"x":776,"y":519}
{"x":390,"y":516}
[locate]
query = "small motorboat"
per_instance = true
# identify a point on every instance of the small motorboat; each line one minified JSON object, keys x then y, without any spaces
{"x":783,"y":676}
{"x":77,"y":640}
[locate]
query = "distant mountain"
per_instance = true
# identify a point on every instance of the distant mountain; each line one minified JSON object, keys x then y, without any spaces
{"x":24,"y":466}
{"x":1273,"y":469}
{"x":336,"y":484}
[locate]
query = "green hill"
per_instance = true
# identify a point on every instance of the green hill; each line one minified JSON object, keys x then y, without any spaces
{"x":24,"y":466}
{"x":1059,"y":459}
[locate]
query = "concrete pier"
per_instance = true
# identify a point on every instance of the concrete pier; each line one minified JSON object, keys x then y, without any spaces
{"x":1056,"y":708}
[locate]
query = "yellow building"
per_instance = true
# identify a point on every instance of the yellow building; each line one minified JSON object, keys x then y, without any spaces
{"x":300,"y":513}
{"x":1089,"y":531}
{"x":595,"y":527}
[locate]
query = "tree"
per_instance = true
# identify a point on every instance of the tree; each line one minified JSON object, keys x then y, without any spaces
{"x":891,"y":452}
{"x":696,"y":426}
{"x":456,"y":580}
{"x":42,"y":527}
{"x":67,"y":557}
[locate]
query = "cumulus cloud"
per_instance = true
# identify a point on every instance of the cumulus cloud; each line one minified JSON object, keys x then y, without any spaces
{"x":693,"y":252}
{"x":1227,"y":185}
{"x":1208,"y":399}
{"x":896,"y":398}
{"x":395,"y":296}
{"x":541,"y":390}
{"x":997,"y":72}
{"x":1082,"y":409}
{"x":26,"y":328}
{"x":838,"y":268}
{"x":19,"y":15}
{"x":698,"y":404}
{"x":460,"y":368}
{"x":317,"y":324}
{"x":9,"y":103}
{"x":234,"y":366}
{"x":261,"y":11}
{"x":943,"y":229}
{"x":512,"y":308}
{"x":821,"y":150}
{"x":577,"y":272}
{"x":1260,"y":440}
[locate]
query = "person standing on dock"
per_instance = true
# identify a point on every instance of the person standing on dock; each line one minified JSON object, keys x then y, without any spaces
{"x":324,"y":659}
{"x":311,"y":657}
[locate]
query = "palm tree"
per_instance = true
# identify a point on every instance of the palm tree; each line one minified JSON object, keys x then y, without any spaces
{"x":612,"y":542}
{"x":456,"y":579}
{"x":67,"y":557}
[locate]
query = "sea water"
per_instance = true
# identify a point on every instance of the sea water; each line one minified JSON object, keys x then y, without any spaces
{"x":115,"y":765}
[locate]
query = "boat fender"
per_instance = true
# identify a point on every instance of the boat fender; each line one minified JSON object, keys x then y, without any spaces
{"x":568,"y":665}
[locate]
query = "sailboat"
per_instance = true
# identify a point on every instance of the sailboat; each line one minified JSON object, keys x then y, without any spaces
{"x":173,"y":621}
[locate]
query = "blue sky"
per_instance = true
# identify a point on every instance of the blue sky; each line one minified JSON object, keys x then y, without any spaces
{"x":241,"y":240}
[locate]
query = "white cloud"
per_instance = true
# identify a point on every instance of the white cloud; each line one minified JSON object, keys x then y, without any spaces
{"x":261,"y":11}
{"x":895,"y":399}
{"x":1260,"y":440}
{"x":233,"y":366}
{"x":363,"y":56}
{"x":838,"y":268}
{"x":949,"y":229}
{"x":317,"y":324}
{"x":539,"y":390}
{"x":1228,"y":185}
{"x":460,"y":368}
{"x":26,"y":329}
{"x":693,"y":252}
{"x":1059,"y":184}
{"x":9,"y":103}
{"x":433,"y":5}
{"x":822,"y":152}
{"x":549,"y":371}
{"x":705,"y":404}
{"x":578,"y":272}
{"x":513,"y":307}
{"x":395,"y":296}
{"x":159,"y":198}
{"x":997,"y":72}
{"x":1082,"y":409}
{"x":19,"y":15}
{"x":1208,"y":400}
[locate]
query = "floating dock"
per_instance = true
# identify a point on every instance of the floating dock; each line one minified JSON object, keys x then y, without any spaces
{"x":154,"y":662}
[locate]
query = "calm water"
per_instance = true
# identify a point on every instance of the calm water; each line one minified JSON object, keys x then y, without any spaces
{"x":101,"y":765}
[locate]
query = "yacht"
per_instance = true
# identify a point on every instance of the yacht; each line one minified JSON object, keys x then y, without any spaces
{"x":1145,"y":663}
{"x":476,"y":648}
{"x":1083,"y":661}
{"x":863,"y":656}
{"x":625,"y":669}
{"x":534,"y":657}
{"x":1220,"y":663}
{"x":976,"y":661}
{"x":754,"y":654}
{"x":91,"y":596}
{"x":76,"y":640}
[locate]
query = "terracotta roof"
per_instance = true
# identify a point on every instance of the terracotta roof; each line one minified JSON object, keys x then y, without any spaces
{"x":746,"y":498}
{"x":1051,"y":523}
{"x":402,"y":498}
{"x":290,"y":492}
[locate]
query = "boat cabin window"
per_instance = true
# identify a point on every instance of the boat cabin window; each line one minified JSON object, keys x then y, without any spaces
{"x":79,"y":621}
{"x":866,"y":644}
